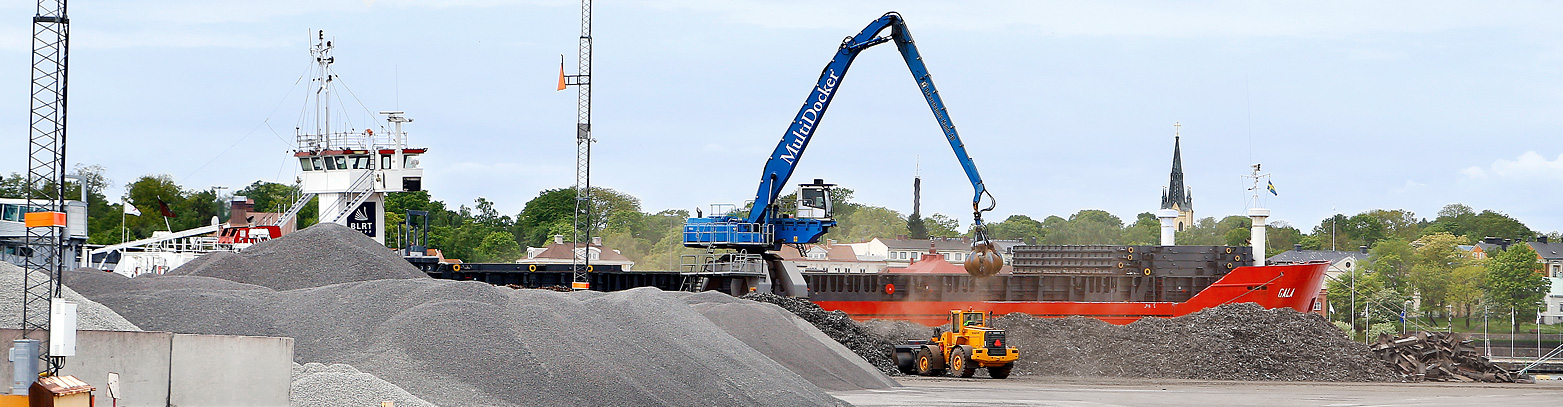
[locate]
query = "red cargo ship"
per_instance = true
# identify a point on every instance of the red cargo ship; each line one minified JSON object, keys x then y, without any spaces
{"x":1117,"y":284}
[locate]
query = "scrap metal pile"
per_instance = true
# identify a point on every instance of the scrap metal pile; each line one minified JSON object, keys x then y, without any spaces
{"x":1438,"y":356}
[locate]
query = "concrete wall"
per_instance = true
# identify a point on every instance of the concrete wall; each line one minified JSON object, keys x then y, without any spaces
{"x":165,"y":369}
{"x":248,"y":370}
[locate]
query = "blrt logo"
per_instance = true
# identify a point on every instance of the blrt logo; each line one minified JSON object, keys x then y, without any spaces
{"x":363,"y":219}
{"x":1285,"y":292}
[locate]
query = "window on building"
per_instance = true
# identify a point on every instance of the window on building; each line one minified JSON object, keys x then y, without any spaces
{"x":12,"y":213}
{"x":304,"y":162}
{"x":330,"y":163}
{"x":318,"y":165}
{"x":410,"y":161}
{"x":1317,"y":305}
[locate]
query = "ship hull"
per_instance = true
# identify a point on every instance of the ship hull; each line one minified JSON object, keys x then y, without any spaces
{"x":1292,"y":286}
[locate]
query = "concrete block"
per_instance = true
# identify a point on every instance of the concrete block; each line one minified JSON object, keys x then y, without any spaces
{"x":207,"y":370}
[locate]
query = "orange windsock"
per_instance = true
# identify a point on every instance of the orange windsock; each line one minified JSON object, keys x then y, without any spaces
{"x":561,"y":75}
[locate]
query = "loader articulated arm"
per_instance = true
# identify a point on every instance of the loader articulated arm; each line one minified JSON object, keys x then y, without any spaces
{"x":801,"y":131}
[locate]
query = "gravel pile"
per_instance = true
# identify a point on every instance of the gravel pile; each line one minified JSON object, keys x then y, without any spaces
{"x":1229,"y":342}
{"x":874,"y":348}
{"x":790,"y":341}
{"x":90,"y":315}
{"x":467,"y":343}
{"x":323,"y":254}
{"x":336,"y":385}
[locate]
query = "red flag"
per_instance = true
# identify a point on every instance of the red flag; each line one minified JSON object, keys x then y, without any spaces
{"x":163,"y":206}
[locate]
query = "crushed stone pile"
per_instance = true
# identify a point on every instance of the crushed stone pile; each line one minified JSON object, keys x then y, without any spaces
{"x":467,"y":343}
{"x":336,"y":385}
{"x":790,"y":341}
{"x":90,"y":315}
{"x":323,"y":254}
{"x":874,"y":348}
{"x":1230,"y":342}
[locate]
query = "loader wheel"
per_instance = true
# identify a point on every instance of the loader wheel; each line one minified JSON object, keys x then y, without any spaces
{"x":960,"y":364}
{"x":925,"y":363}
{"x":1000,"y":372}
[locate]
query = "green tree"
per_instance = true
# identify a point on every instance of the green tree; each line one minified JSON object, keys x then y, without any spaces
{"x":1090,"y":226}
{"x":1435,"y":258}
{"x":1397,"y":223}
{"x":1515,"y":280}
{"x":1146,"y":230}
{"x":915,"y":227}
{"x":1017,"y":227}
{"x":940,"y":225}
{"x":552,"y":212}
{"x":498,"y":247}
{"x":1238,"y":237}
{"x":1391,"y":261}
{"x":868,"y":222}
{"x":1281,"y":237}
{"x":1465,"y":288}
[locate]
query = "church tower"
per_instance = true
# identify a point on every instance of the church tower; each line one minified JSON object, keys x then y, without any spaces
{"x":1176,"y":196}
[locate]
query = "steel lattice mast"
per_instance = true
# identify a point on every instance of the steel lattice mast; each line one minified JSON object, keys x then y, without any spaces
{"x":582,"y":222}
{"x":46,"y":171}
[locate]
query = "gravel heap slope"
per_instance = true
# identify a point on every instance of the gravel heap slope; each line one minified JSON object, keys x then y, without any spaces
{"x":319,"y":385}
{"x":90,"y":315}
{"x":790,"y":341}
{"x":323,"y":254}
{"x":468,"y":343}
{"x":874,"y":348}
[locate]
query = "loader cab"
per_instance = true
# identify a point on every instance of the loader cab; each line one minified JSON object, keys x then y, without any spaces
{"x":959,"y":320}
{"x":814,"y":200}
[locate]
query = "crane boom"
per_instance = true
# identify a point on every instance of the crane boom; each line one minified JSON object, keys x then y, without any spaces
{"x":784,"y":159}
{"x":766,"y":228}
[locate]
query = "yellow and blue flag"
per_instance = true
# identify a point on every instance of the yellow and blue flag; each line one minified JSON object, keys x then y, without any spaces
{"x":1271,"y":187}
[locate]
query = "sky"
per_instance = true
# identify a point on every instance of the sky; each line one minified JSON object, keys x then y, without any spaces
{"x":1063,"y":105}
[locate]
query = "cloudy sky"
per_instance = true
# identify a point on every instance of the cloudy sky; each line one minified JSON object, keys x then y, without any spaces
{"x":1064,"y":105}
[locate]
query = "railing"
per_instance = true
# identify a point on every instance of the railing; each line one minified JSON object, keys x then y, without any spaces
{"x":367,"y":183}
{"x":344,"y":140}
{"x":722,"y":263}
{"x":729,"y":233}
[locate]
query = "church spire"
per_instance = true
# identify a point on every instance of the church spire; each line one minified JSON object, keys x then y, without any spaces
{"x":1177,"y":196}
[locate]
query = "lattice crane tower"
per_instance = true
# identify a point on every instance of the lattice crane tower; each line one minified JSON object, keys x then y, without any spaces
{"x":582,"y":80}
{"x":46,"y":177}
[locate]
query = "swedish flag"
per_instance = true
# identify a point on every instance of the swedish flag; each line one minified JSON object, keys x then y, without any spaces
{"x":1271,"y":187}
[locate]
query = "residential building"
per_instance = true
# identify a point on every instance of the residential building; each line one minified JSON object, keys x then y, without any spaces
{"x":832,"y":258}
{"x":562,"y":252}
{"x":1341,"y":262}
{"x":902,"y":252}
{"x":1550,"y":254}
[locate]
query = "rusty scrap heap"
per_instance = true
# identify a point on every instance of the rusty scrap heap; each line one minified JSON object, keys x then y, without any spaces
{"x":1438,"y":356}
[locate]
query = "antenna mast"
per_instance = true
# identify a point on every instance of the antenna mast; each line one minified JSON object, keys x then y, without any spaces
{"x":45,"y":187}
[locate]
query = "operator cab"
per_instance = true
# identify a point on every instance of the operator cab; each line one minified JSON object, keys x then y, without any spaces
{"x":814,"y":200}
{"x":960,"y":319}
